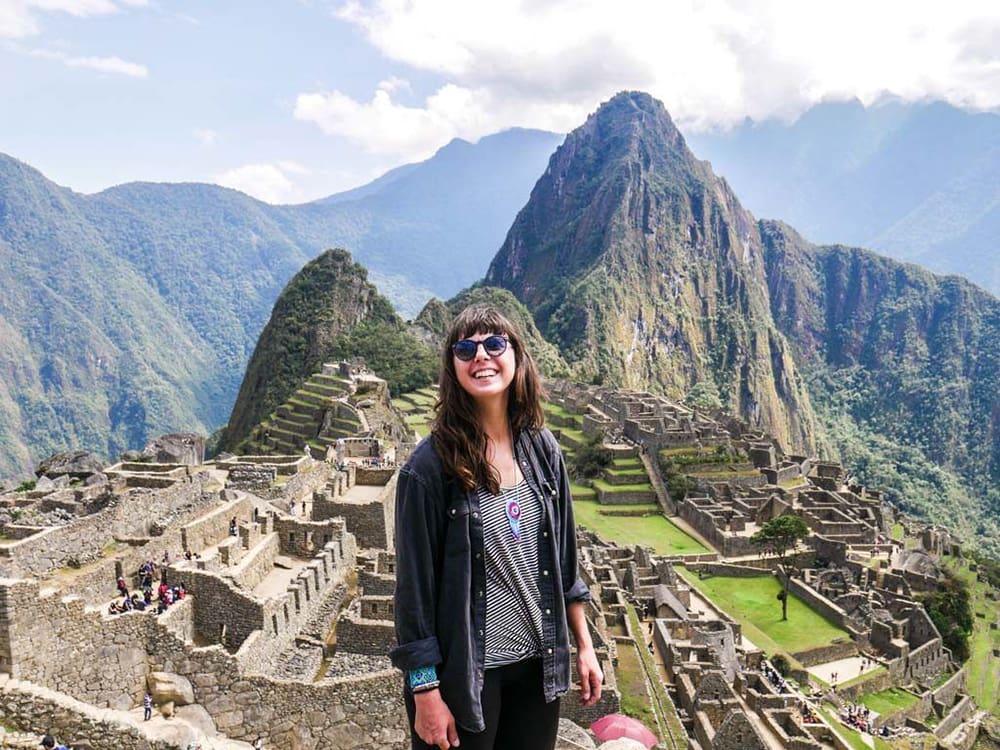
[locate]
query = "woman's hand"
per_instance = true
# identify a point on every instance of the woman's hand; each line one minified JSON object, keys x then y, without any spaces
{"x":591,"y":677}
{"x":434,"y":723}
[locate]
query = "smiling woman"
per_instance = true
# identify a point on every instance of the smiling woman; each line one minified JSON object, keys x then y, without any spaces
{"x":487,"y":587}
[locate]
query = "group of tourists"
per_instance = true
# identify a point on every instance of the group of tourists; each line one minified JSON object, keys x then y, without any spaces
{"x":858,"y":716}
{"x":140,"y":601}
{"x":774,"y":677}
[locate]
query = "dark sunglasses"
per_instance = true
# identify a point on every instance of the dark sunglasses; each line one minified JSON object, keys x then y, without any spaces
{"x":466,"y":349}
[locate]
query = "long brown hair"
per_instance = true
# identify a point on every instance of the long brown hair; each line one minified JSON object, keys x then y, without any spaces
{"x":458,"y":435}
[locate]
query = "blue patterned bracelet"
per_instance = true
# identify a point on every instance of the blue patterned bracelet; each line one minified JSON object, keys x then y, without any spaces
{"x":423,"y":676}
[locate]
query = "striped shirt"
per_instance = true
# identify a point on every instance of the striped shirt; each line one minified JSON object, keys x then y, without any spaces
{"x":513,"y":609}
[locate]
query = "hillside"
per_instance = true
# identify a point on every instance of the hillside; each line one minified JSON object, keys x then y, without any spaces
{"x":917,"y":182}
{"x":904,"y":370}
{"x":661,"y":283}
{"x":328,"y":312}
{"x":134,"y":311}
{"x":664,"y":282}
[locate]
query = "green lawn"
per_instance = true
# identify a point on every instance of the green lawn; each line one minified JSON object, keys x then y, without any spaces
{"x":889,"y":701}
{"x":754,"y":603}
{"x":651,"y":531}
{"x":580,"y":492}
{"x":897,"y":532}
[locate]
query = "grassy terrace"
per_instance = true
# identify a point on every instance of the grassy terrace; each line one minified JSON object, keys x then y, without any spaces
{"x":983,"y":668}
{"x":890,"y":701}
{"x":753,"y":602}
{"x":653,"y":530}
{"x":613,"y":488}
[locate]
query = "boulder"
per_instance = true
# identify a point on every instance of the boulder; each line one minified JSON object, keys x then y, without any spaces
{"x":122,"y":703}
{"x":177,"y":448}
{"x":80,"y":464}
{"x":199,"y":718}
{"x":134,"y":457}
{"x":95,"y":479}
{"x":44,"y":484}
{"x":167,"y":709}
{"x":573,"y":737}
{"x":166,"y":686}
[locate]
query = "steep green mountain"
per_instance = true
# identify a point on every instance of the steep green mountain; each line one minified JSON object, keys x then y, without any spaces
{"x":327,"y":312}
{"x":904,"y":369}
{"x":919,"y":182}
{"x":644,"y":269}
{"x":134,"y":311}
{"x":91,"y":353}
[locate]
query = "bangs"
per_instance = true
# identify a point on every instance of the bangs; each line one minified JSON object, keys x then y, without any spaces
{"x":479,"y":319}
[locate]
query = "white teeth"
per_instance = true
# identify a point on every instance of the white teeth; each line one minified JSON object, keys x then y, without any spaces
{"x":485,"y":374}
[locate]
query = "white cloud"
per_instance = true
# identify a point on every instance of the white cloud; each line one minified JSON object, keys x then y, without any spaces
{"x":546,"y":64}
{"x":113,"y":65}
{"x":20,"y":18}
{"x":206,"y":136}
{"x":266,"y":182}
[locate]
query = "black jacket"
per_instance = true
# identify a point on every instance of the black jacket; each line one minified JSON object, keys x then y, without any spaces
{"x":440,"y":601}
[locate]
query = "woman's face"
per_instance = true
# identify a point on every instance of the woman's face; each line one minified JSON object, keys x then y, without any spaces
{"x":485,"y":377}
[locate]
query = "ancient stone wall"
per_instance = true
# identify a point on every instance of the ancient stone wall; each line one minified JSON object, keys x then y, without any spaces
{"x":257,"y":563}
{"x":956,"y":716}
{"x":305,"y":538}
{"x":99,"y":659}
{"x":365,"y":520}
{"x":946,"y":694}
{"x":213,"y":527}
{"x":223,"y":613}
{"x":375,"y":584}
{"x":35,"y":710}
{"x":137,"y":513}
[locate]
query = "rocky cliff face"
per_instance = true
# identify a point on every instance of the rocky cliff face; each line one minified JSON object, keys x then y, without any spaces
{"x":329,"y":311}
{"x":905,"y":356}
{"x":641,"y":264}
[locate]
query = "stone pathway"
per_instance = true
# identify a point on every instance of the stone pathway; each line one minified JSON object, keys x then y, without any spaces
{"x":175,"y":731}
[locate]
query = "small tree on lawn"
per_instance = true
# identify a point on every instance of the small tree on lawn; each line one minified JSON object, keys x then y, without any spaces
{"x":779,"y":537}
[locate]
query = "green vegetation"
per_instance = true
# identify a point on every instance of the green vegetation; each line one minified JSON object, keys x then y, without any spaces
{"x":983,"y":668}
{"x":751,"y":602}
{"x":26,"y":486}
{"x":950,"y":609}
{"x":591,"y":459}
{"x":889,"y":701}
{"x":632,"y":685}
{"x":779,"y":536}
{"x":651,"y":530}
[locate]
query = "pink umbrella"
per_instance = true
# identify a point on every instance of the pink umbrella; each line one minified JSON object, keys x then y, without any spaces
{"x":613,"y":726}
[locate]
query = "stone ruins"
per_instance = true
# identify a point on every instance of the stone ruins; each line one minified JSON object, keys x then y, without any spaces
{"x":285,"y":558}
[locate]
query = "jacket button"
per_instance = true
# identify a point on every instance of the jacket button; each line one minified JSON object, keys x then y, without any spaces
{"x":478,"y":556}
{"x":550,"y":650}
{"x":545,"y":533}
{"x":453,"y":511}
{"x":548,"y":611}
{"x":480,"y":593}
{"x":475,"y":515}
{"x":545,"y":572}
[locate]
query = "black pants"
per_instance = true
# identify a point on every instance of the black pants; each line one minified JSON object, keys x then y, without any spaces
{"x":514,"y":708}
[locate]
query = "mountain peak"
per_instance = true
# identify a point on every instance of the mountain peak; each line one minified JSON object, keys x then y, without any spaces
{"x":637,"y":259}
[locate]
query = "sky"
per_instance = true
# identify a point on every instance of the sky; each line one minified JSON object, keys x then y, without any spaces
{"x":293,"y":100}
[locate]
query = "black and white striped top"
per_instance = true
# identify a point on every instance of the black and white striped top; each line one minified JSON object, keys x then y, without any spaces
{"x":513,"y":610}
